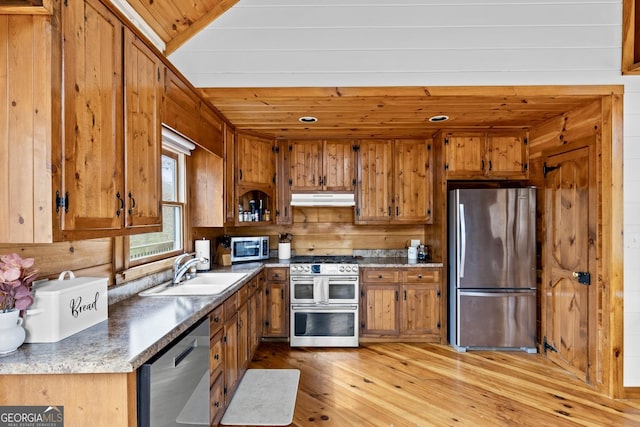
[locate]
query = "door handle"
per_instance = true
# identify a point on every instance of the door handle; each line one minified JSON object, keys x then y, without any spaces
{"x":463,"y":241}
{"x":583,"y":277}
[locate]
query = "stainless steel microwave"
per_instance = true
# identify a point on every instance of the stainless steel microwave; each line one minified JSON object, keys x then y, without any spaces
{"x":249,"y":248}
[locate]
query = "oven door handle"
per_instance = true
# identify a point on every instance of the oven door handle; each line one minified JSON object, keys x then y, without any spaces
{"x":306,"y":307}
{"x":332,"y":279}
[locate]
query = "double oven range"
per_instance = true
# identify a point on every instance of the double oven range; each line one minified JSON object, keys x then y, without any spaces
{"x":324,"y":301}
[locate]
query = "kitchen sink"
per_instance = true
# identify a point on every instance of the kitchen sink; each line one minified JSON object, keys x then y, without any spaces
{"x":202,"y":284}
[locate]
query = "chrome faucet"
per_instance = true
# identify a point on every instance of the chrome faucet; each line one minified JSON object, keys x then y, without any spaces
{"x":180,"y":270}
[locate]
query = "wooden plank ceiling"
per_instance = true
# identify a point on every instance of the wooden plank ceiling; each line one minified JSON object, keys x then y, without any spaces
{"x":176,"y":21}
{"x":379,"y":112}
{"x":393,"y":112}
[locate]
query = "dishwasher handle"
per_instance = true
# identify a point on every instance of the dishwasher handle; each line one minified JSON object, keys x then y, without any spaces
{"x":184,"y":353}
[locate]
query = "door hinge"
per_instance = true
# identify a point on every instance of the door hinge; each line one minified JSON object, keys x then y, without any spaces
{"x":446,"y":141}
{"x":277,"y":212}
{"x":446,"y":166}
{"x":290,"y":148}
{"x":62,"y":202}
{"x":438,"y":294}
{"x":439,"y":325}
{"x":274,"y":178}
{"x":428,"y":147}
{"x":526,"y":141}
{"x":583,"y":277}
{"x":290,"y":182}
{"x":362,"y":325}
{"x":354,"y":182}
{"x":546,"y":169}
{"x":266,"y":323}
{"x":362,"y":292}
{"x":158,"y":74}
{"x":525,"y":166}
{"x":275,"y":149}
{"x":355,"y":147}
{"x":357,"y":211}
{"x":266,"y":291}
{"x":224,"y":339}
{"x":548,"y":346}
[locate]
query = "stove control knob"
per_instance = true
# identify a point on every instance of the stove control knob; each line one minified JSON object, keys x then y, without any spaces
{"x":307,"y":268}
{"x":355,"y":269}
{"x":341,"y":268}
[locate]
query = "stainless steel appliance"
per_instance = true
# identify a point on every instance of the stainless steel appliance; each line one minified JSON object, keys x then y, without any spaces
{"x":492,"y":276}
{"x":173,"y":387}
{"x":324,"y":301}
{"x":249,"y":248}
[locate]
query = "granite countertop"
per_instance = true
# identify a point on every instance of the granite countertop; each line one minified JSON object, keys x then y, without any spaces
{"x":139,"y":327}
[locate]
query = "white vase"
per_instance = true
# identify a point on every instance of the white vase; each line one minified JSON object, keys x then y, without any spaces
{"x":284,"y":250}
{"x":12,"y":333}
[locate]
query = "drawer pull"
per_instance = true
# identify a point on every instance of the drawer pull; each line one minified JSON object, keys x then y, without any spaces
{"x":217,"y":356}
{"x":419,"y":276}
{"x":379,"y":276}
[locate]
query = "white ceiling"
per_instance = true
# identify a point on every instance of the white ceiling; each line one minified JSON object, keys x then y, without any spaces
{"x":292,"y":43}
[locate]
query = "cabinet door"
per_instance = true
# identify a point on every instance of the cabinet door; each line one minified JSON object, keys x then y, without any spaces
{"x":380,"y":310}
{"x":374,"y":182}
{"x":243,"y":336}
{"x":206,"y":189}
{"x":283,"y":182}
{"x":231,"y":369}
{"x":276,"y":311}
{"x":256,"y":315}
{"x":338,"y":166}
{"x":229,"y":174}
{"x":464,"y":154}
{"x":92,"y":158}
{"x":420,"y":309}
{"x":305,"y":159}
{"x":181,"y":106}
{"x":216,"y":400}
{"x":413,"y":181}
{"x":256,"y":161}
{"x":211,"y":131}
{"x":507,"y":155}
{"x":143,"y":143}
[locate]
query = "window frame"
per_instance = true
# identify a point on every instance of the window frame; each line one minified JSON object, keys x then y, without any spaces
{"x":181,"y":202}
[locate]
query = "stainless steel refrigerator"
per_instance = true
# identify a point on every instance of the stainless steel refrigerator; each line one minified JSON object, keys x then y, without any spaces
{"x":492,"y":268}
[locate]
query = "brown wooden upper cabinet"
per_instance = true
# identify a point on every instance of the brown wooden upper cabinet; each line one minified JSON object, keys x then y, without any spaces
{"x":486,"y":155}
{"x":255,"y":175}
{"x":395,"y":182}
{"x":112,"y":142}
{"x":322,"y":165}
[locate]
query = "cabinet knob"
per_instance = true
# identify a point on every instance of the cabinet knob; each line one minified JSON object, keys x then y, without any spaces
{"x":217,"y":404}
{"x":419,"y":276}
{"x":217,"y":356}
{"x":379,"y":276}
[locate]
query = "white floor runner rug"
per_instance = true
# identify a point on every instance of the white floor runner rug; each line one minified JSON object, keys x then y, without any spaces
{"x":265,"y":397}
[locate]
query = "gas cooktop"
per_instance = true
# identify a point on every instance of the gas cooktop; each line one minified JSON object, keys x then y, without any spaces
{"x":323,"y":259}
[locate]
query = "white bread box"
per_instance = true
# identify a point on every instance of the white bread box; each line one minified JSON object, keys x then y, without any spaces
{"x":64,"y":307}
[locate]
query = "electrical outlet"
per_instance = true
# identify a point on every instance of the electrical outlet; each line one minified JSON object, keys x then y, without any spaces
{"x":634,"y":240}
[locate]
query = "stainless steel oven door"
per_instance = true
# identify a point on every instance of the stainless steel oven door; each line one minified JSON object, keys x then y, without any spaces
{"x":324,"y":326}
{"x":324,"y":289}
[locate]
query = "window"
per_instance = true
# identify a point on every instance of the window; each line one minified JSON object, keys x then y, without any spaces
{"x":170,"y":240}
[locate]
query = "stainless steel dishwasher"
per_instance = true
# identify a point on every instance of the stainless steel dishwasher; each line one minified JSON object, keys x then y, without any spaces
{"x":173,"y":387}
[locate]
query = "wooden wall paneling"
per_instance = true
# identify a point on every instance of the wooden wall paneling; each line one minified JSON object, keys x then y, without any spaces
{"x":25,"y":122}
{"x":612,"y":204}
{"x":83,"y":257}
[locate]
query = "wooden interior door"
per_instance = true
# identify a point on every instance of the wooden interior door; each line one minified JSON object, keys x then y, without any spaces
{"x":570,"y":242}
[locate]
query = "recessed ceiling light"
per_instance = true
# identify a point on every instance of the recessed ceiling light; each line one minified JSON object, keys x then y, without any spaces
{"x":308,"y":119}
{"x":436,"y":119}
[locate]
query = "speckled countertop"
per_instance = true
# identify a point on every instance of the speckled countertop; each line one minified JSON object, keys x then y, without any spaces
{"x":139,"y":327}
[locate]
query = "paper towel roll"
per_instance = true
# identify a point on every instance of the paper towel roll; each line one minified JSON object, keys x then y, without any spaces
{"x":203,"y":249}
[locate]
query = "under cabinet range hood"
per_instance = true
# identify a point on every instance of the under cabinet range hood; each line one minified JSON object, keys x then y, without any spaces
{"x":323,"y":199}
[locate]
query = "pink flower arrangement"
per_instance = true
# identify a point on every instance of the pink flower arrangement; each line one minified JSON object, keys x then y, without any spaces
{"x":16,"y":277}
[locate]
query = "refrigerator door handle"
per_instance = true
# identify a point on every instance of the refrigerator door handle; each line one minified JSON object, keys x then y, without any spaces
{"x":463,"y":241}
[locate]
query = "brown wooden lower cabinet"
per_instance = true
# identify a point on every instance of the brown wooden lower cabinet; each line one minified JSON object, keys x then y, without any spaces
{"x":276,"y":303}
{"x":401,"y":303}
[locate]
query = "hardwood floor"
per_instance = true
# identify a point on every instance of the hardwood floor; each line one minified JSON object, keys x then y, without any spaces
{"x":433,"y":385}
